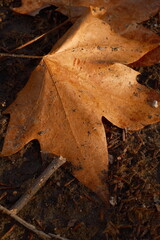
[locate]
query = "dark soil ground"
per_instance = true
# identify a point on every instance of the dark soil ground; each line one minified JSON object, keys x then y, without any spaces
{"x":64,"y":206}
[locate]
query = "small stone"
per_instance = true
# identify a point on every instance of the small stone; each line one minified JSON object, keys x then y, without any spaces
{"x":58,"y":184}
{"x":3,"y":104}
{"x":113,"y":201}
{"x":14,"y":193}
{"x":111,"y":159}
{"x":155,"y":104}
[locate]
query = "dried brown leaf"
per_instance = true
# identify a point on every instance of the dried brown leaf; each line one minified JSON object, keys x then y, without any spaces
{"x":83,"y":79}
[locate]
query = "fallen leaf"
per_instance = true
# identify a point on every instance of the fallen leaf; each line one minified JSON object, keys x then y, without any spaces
{"x":84,"y":78}
{"x":33,"y":6}
{"x":148,"y":59}
{"x":150,"y":7}
{"x":72,"y":11}
{"x":124,"y":17}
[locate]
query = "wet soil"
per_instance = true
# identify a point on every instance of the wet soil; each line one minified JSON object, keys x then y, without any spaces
{"x":64,"y":206}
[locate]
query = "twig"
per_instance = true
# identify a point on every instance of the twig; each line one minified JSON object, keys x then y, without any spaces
{"x":19,"y":55}
{"x":57,"y":236}
{"x":3,"y":195}
{"x":10,"y":54}
{"x":40,"y":181}
{"x":7,"y":233}
{"x":41,"y":36}
{"x":27,"y":225}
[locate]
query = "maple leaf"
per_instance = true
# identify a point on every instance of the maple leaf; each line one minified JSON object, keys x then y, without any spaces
{"x":84,"y":78}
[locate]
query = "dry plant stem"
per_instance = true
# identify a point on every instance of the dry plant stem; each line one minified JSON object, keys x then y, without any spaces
{"x":40,"y":181}
{"x":8,"y":232}
{"x":27,"y":225}
{"x":57,"y":236}
{"x":41,"y":36}
{"x":53,"y":166}
{"x":3,"y":195}
{"x":9,"y":54}
{"x":18,"y":55}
